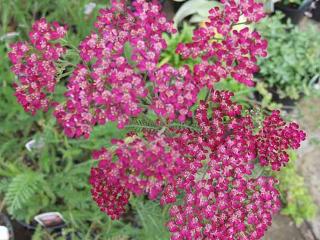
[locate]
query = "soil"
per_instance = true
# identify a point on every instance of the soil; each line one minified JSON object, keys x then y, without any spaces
{"x":283,"y":229}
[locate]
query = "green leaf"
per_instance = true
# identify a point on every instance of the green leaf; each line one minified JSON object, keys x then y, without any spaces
{"x":21,"y":189}
{"x":142,"y":123}
{"x":152,"y":218}
{"x":200,"y":7}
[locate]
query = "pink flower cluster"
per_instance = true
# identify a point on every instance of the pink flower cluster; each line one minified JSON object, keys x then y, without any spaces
{"x":117,"y":84}
{"x":206,"y":176}
{"x":106,"y":190}
{"x":34,"y":65}
{"x":224,"y":201}
{"x":142,"y":166}
{"x":175,"y":92}
{"x":146,"y":37}
{"x":204,"y":172}
{"x":275,"y":138}
{"x":224,"y":51}
{"x":229,"y":135}
{"x":120,"y":59}
{"x":75,"y":116}
{"x":241,"y":211}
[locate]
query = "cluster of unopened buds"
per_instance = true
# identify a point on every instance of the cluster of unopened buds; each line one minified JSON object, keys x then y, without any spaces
{"x":205,"y":169}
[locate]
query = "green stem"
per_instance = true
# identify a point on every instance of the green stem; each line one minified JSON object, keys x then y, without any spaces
{"x":183,"y":125}
{"x":139,"y":126}
{"x":67,"y":44}
{"x":2,"y":205}
{"x":218,"y":39}
{"x":64,"y":75}
{"x":240,"y":23}
{"x":65,"y":63}
{"x":207,"y":95}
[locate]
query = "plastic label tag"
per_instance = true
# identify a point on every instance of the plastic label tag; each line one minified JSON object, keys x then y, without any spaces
{"x":50,"y":220}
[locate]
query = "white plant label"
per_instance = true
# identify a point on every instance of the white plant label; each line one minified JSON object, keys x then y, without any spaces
{"x":34,"y":144}
{"x":4,"y":233}
{"x":88,"y":8}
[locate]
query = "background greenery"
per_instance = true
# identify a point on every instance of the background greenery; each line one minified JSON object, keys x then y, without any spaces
{"x":292,"y":65}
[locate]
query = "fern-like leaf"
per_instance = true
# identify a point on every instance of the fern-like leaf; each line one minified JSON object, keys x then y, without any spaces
{"x":4,"y":183}
{"x":178,"y":125}
{"x":143,"y":124}
{"x":146,"y":124}
{"x":21,"y":189}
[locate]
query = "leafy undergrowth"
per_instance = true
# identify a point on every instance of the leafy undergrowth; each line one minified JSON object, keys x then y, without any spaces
{"x":297,"y":201}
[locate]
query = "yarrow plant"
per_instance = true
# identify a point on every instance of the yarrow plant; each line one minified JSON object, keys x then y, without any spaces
{"x":33,"y":63}
{"x":204,"y":159}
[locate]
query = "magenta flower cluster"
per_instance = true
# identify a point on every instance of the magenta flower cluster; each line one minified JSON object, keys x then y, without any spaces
{"x":207,"y":176}
{"x":122,"y":56}
{"x":205,"y":171}
{"x":275,"y":138}
{"x":225,"y":51}
{"x":33,"y":64}
{"x":117,"y":84}
{"x":175,"y":92}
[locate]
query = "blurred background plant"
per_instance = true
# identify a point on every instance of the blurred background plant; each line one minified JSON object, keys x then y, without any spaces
{"x":298,"y":203}
{"x":292,"y":66}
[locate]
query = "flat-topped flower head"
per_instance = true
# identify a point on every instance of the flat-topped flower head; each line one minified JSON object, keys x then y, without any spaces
{"x":175,"y":92}
{"x":123,"y":53}
{"x":226,"y":50}
{"x":275,"y":138}
{"x":206,"y":175}
{"x":34,"y":65}
{"x":198,"y":157}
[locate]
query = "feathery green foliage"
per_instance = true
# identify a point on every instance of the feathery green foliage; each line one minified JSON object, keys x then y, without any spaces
{"x":292,"y":65}
{"x":21,"y":189}
{"x":151,"y":217}
{"x":298,"y":202}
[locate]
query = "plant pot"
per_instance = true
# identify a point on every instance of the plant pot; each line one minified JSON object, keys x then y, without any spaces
{"x":287,"y":103}
{"x":25,"y":230}
{"x":28,"y":229}
{"x":315,"y":11}
{"x":20,"y":231}
{"x":293,"y":12}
